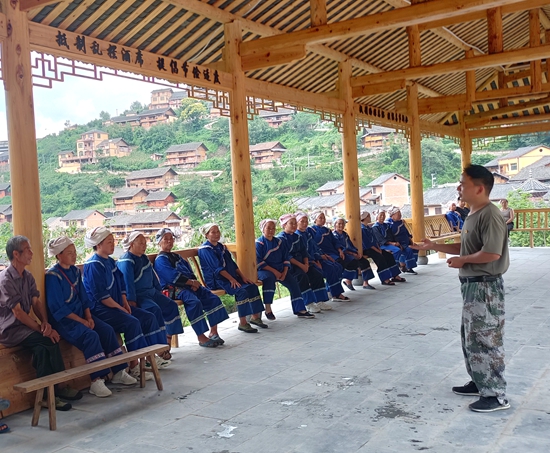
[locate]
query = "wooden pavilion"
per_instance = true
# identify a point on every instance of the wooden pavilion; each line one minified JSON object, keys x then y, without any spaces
{"x":465,"y":69}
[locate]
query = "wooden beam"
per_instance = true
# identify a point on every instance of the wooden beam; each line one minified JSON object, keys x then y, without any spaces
{"x":240,"y":156}
{"x":512,"y":130}
{"x":397,"y":18}
{"x":349,"y":156}
{"x":513,"y":120}
{"x":478,"y":62}
{"x":437,"y":104}
{"x":379,"y":88}
{"x":478,"y":118}
{"x":534,"y":41}
{"x":470,"y":81}
{"x":275,"y":58}
{"x":465,"y":142}
{"x":495,"y":39}
{"x":318,"y":13}
{"x":544,"y":19}
{"x":26,"y":5}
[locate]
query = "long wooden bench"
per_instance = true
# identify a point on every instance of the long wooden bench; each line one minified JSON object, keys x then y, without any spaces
{"x":438,"y":230}
{"x":38,"y":385}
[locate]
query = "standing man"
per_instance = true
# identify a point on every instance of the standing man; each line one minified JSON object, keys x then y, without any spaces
{"x":483,"y":259}
{"x":18,"y":294}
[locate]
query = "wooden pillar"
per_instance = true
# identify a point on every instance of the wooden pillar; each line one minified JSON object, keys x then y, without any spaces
{"x":349,"y":156}
{"x":240,"y":155}
{"x":318,"y":12}
{"x":25,"y":184}
{"x":415,"y":163}
{"x":465,"y":142}
{"x":534,"y":41}
{"x":495,"y":42}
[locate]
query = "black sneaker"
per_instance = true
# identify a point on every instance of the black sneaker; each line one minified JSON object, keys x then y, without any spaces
{"x":489,"y":404}
{"x":410,"y":271}
{"x":468,"y":389}
{"x":306,"y":315}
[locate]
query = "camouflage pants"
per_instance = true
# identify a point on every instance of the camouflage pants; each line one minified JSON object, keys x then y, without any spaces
{"x":482,"y":333}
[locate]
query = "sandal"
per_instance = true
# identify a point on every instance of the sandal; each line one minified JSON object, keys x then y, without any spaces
{"x":269,"y":315}
{"x":398,"y":279}
{"x":341,"y":297}
{"x":217,"y":339}
{"x":209,"y":344}
{"x":388,"y":283}
{"x":4,"y":428}
{"x":367,"y":286}
{"x":349,"y":286}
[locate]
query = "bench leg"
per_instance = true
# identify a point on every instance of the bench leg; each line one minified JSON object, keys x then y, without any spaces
{"x":156,"y":373}
{"x":37,"y":407}
{"x":142,"y":372}
{"x":51,"y":408}
{"x":175,"y":341}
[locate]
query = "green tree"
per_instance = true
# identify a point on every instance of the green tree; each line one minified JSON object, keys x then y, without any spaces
{"x":193,"y":113}
{"x":105,"y":116}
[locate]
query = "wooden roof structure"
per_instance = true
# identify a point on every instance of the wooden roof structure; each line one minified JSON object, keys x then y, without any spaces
{"x":458,"y":68}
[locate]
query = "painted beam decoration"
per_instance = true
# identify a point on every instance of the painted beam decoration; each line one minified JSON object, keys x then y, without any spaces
{"x":102,"y":53}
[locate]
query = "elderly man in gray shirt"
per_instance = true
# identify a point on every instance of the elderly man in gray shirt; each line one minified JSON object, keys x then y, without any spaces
{"x":483,"y":259}
{"x":18,"y":294}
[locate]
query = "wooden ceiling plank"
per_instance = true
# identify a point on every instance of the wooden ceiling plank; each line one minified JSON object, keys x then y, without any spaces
{"x":397,"y":18}
{"x":512,"y":130}
{"x":27,"y":5}
{"x":169,"y":31}
{"x":478,"y":118}
{"x":128,"y":36}
{"x":94,"y":16}
{"x":129,"y":19}
{"x":76,"y":13}
{"x":198,"y":46}
{"x":514,"y":120}
{"x":52,"y":15}
{"x":160,"y":24}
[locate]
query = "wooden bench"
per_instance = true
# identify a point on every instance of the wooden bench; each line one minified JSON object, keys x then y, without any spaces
{"x":38,"y":385}
{"x":438,"y":230}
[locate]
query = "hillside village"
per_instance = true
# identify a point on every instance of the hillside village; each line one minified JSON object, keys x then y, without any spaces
{"x":147,"y":199}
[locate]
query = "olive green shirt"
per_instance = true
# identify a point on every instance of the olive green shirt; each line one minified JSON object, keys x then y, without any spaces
{"x":484,"y":230}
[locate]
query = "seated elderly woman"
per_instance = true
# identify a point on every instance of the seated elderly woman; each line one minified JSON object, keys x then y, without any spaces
{"x":143,"y":288}
{"x":409,"y":257}
{"x":221,"y":272}
{"x":273,"y":264}
{"x":175,"y":274}
{"x":454,"y":218}
{"x":309,"y":278}
{"x":332,"y":271}
{"x":387,"y":269}
{"x":353,"y":260}
{"x":106,"y":290}
{"x":70,"y":312}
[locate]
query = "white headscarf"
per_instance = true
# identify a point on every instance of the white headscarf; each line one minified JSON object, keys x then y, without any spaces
{"x":161,"y":233}
{"x":128,"y":240}
{"x":364,"y":215}
{"x":206,"y":228}
{"x":96,"y":236}
{"x":264,"y":222}
{"x":57,"y":245}
{"x":393,"y":210}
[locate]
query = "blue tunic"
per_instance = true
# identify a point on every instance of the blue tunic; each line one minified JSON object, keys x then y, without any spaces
{"x":143,"y":287}
{"x":102,"y":279}
{"x":215,"y":259}
{"x":401,"y":234}
{"x":173,"y":272}
{"x":350,"y":262}
{"x":326,"y":241}
{"x":455,"y":220}
{"x":65,"y":295}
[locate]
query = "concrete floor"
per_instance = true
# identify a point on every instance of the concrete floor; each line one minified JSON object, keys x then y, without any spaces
{"x":373,"y":375}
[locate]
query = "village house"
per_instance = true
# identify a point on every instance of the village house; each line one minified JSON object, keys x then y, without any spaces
{"x":330,"y":205}
{"x":159,"y":201}
{"x":5,"y":189}
{"x":331,"y":188}
{"x":5,"y":213}
{"x":115,"y":147}
{"x":152,"y":179}
{"x":539,"y":170}
{"x":129,"y":198}
{"x":54,"y":223}
{"x":389,"y":189}
{"x":166,"y":98}
{"x":4,"y":156}
{"x":145,"y":119}
{"x":187,"y":155}
{"x":517,"y":160}
{"x":264,"y":155}
{"x":275,"y":119}
{"x":83,"y":219}
{"x":146,"y":222}
{"x":376,"y":136}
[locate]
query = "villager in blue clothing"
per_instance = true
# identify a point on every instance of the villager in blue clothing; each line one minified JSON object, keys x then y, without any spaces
{"x":353,"y":260}
{"x":106,"y":290}
{"x":273,"y":264}
{"x":454,"y":218}
{"x":387,"y":269}
{"x":332,"y":271}
{"x":310,"y":278}
{"x":201,"y":305}
{"x":221,"y":272}
{"x":69,"y":308}
{"x":387,"y":241}
{"x":143,"y":286}
{"x":401,"y":234}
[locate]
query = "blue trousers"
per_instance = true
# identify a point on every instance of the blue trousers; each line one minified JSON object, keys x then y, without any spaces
{"x":268,"y":289}
{"x":96,"y":344}
{"x":247,"y":296}
{"x":165,"y":310}
{"x":405,"y":255}
{"x":312,"y":284}
{"x":332,"y":271}
{"x":202,"y":305}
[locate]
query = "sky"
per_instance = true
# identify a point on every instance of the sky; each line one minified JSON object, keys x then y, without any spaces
{"x":80,"y":100}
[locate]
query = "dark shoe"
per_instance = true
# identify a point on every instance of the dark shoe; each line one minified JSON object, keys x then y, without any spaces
{"x":367,"y":286}
{"x":349,"y":286}
{"x":270,"y":316}
{"x":390,"y":283}
{"x":209,"y":344}
{"x":468,"y":389}
{"x":68,"y":393}
{"x":247,"y":328}
{"x":489,"y":404}
{"x":258,"y":322}
{"x":4,"y":428}
{"x":217,"y":339}
{"x":62,"y":405}
{"x":341,"y":297}
{"x":410,"y":271}
{"x":398,"y":279}
{"x":306,"y":315}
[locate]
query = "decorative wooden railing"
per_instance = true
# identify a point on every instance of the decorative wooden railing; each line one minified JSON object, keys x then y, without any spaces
{"x":535,"y":222}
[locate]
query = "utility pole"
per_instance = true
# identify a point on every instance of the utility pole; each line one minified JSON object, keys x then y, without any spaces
{"x":434,"y":178}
